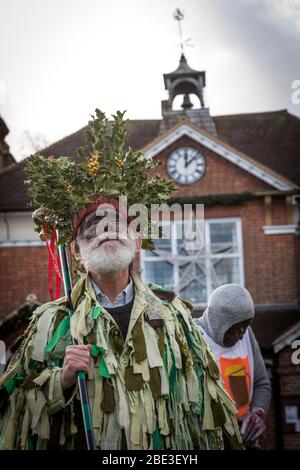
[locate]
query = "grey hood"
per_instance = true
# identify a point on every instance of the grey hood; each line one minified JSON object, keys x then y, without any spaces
{"x":227,"y":305}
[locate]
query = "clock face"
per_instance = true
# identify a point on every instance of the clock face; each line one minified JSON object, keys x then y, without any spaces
{"x":186,"y":165}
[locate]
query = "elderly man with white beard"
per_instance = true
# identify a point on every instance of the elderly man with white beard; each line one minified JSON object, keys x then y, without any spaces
{"x":107,"y":257}
{"x":152,"y":382}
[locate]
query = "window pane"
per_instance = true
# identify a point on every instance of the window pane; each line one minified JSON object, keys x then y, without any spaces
{"x":159,"y":272}
{"x":199,"y":271}
{"x":226,"y":271}
{"x":160,"y":244}
{"x":190,"y":238}
{"x":223,"y":237}
{"x":181,"y":248}
{"x":192,"y":283}
{"x":163,"y":244}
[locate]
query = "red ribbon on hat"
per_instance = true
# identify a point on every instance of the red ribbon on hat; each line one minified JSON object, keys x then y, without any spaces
{"x":53,"y":264}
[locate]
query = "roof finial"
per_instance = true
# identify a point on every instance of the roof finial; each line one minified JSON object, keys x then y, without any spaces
{"x":179,"y":16}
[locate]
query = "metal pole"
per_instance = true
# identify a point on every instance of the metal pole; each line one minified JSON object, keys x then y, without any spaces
{"x":81,"y":379}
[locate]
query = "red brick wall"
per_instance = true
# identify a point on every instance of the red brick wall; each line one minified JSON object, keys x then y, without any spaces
{"x":221,"y":176}
{"x":291,"y":442}
{"x":270,"y":261}
{"x":279,"y":212}
{"x":23,"y":270}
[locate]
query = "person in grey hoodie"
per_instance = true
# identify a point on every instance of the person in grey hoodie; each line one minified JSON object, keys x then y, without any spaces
{"x":225,"y":325}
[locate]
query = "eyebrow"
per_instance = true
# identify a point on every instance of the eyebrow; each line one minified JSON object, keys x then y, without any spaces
{"x":87,"y":221}
{"x":90,"y":219}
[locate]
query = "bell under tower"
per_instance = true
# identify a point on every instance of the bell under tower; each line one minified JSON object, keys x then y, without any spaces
{"x":186,"y":81}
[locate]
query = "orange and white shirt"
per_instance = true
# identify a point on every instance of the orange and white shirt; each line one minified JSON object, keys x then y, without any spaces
{"x":237,"y":370}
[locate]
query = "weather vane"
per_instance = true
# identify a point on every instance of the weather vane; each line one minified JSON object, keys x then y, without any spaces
{"x":179,"y":16}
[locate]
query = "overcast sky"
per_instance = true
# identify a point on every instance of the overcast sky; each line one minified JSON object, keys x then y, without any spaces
{"x":59,"y":59}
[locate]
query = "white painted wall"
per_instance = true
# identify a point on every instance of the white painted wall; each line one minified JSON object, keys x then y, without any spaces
{"x":17,"y":229}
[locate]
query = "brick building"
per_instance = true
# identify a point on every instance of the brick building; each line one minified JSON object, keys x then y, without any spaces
{"x":245,"y":170}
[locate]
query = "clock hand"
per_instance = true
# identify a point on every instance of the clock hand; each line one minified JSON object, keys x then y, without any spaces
{"x":185,"y":159}
{"x":190,"y":161}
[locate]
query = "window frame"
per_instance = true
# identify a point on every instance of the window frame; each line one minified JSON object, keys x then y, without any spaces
{"x":239,"y":254}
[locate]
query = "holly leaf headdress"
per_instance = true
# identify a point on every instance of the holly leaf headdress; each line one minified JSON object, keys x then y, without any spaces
{"x":61,"y":187}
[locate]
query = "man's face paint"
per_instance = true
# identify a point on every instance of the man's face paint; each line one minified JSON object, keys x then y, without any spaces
{"x":112,"y":225}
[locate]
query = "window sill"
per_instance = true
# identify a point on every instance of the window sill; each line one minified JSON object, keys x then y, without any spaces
{"x":281,"y":229}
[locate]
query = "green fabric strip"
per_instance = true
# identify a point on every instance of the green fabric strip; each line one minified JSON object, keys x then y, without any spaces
{"x":154,"y":286}
{"x":186,"y":332}
{"x":10,"y":385}
{"x":103,"y":371}
{"x":61,"y":330}
{"x":29,"y":443}
{"x":97,"y":310}
{"x":156,"y":440}
{"x":95,"y":350}
{"x":32,"y":365}
{"x":172,"y":373}
{"x":165,"y":361}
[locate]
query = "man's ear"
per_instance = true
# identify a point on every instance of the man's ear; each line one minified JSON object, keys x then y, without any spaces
{"x":75,"y":250}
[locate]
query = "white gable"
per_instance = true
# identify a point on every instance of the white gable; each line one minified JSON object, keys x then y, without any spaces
{"x":211,"y":143}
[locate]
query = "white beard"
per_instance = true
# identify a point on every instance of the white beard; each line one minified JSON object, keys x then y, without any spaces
{"x":110,"y":257}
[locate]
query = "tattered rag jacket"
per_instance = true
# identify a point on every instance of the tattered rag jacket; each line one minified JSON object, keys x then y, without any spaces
{"x":158,"y":389}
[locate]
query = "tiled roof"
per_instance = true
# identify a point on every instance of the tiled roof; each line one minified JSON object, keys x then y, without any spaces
{"x":271,"y":138}
{"x":13,"y":194}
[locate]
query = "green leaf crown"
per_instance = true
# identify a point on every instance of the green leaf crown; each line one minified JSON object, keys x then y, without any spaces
{"x":61,"y":187}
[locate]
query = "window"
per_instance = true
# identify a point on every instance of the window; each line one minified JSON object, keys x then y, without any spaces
{"x":195,"y":274}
